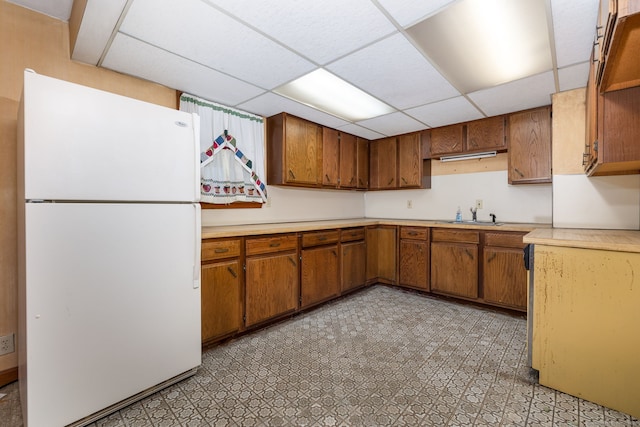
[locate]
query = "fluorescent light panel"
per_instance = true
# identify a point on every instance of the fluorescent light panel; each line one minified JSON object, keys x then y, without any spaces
{"x":468,"y":156}
{"x":324,"y":91}
{"x":479,"y":44}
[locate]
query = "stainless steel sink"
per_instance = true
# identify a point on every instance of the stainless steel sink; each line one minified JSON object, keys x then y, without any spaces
{"x":468,"y":222}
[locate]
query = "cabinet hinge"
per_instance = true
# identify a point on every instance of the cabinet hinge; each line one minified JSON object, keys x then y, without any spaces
{"x":244,"y":319}
{"x":244,"y":267}
{"x":595,"y":146}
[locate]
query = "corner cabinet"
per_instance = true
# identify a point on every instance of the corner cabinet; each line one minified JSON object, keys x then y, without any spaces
{"x":294,"y":151}
{"x":383,"y":164}
{"x":399,"y":162}
{"x":353,"y":250}
{"x":529,"y":142}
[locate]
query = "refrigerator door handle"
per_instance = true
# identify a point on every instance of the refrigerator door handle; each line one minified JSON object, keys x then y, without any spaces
{"x":197,"y":244}
{"x":196,"y":149}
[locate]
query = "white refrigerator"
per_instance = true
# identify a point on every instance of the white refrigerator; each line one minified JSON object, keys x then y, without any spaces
{"x":109,"y":250}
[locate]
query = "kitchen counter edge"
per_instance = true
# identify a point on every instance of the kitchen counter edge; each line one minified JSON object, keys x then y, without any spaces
{"x":214,"y":232}
{"x":608,"y":240}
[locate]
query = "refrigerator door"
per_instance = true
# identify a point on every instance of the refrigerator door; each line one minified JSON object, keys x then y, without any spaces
{"x":112,"y":304}
{"x":85,"y":144}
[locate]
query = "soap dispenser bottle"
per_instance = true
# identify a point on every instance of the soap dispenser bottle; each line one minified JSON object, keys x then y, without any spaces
{"x":458,"y":215}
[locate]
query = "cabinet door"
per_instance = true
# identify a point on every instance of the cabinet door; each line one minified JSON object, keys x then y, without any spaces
{"x":383,"y":158}
{"x":303,"y":151}
{"x":320,"y":275}
{"x":454,"y":269}
{"x":221,"y":299}
{"x":504,"y":277}
{"x":486,"y":134}
{"x":447,"y":140}
{"x":409,"y":161}
{"x":363,"y":163}
{"x":348,"y":161}
{"x":330,"y":157}
{"x":414,"y":264}
{"x":353,"y":265}
{"x":271,"y":286}
{"x":530,"y":146}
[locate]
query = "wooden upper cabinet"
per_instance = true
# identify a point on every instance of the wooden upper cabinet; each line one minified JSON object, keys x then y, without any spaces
{"x":447,"y":140}
{"x":616,"y":149}
{"x":294,"y":151}
{"x":362,"y":165}
{"x":409,"y":161}
{"x":486,"y":134}
{"x":529,"y":140}
{"x":619,"y":66}
{"x":348,"y":161}
{"x":330,"y":157}
{"x":383,"y":167}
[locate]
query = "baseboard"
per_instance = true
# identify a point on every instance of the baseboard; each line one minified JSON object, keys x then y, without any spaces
{"x":8,"y":376}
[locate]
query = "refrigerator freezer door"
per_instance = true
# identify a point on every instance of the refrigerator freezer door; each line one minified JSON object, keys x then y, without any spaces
{"x":85,"y":144}
{"x":111,"y":306}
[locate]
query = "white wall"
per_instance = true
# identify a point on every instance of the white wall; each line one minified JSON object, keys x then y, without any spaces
{"x":290,"y":205}
{"x":511,"y":203}
{"x":609,"y":202}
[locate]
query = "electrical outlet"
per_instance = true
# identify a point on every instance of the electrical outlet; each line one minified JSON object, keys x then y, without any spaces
{"x":7,"y":344}
{"x":478,"y":203}
{"x":409,"y":204}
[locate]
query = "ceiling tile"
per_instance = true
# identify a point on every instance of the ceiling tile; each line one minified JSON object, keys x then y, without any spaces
{"x":322,"y":30}
{"x":450,"y":111}
{"x":522,"y":94}
{"x":360,"y":131}
{"x":574,"y":23}
{"x":197,"y":31}
{"x":408,"y":12}
{"x":396,"y":73}
{"x":98,"y":23}
{"x":60,"y":9}
{"x":392,"y":124}
{"x":130,"y":56}
{"x":574,"y":76}
{"x":269,"y":104}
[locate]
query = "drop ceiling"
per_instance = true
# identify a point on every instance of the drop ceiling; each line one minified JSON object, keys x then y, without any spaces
{"x":236,"y":52}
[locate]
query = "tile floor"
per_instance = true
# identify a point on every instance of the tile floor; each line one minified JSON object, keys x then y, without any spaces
{"x":378,"y":357}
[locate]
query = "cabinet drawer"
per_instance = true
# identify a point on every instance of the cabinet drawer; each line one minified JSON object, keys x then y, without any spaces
{"x":352,"y":234}
{"x":506,"y":240}
{"x":218,"y":249}
{"x":452,"y":235}
{"x":320,"y":238}
{"x":264,"y":245}
{"x":416,"y":233}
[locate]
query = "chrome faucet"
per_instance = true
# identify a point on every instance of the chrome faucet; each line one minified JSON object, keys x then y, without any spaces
{"x":474,"y":214}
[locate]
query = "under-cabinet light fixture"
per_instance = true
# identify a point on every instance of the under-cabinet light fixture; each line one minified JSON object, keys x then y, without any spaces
{"x":326,"y":92}
{"x":468,"y":156}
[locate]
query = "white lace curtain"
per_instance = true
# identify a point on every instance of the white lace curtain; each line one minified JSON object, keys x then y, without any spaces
{"x":231,"y":152}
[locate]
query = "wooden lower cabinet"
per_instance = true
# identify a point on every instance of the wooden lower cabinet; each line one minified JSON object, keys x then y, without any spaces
{"x":454,"y":262}
{"x":381,"y":254}
{"x":353,"y":265}
{"x":221,"y":299}
{"x":271,"y":278}
{"x":320,"y":275}
{"x":221,"y":289}
{"x":414,"y":257}
{"x":504,"y":278}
